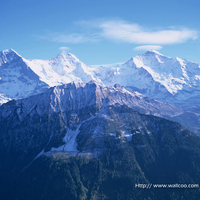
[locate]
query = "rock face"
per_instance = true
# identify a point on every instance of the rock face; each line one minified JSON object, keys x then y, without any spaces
{"x":76,"y":133}
{"x":55,"y":119}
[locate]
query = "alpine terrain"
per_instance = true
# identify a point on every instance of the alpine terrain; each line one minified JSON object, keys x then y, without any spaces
{"x":71,"y":131}
{"x":172,"y":80}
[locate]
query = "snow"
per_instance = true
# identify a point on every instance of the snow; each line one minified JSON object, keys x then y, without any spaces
{"x":70,"y":142}
{"x":22,"y":77}
{"x":152,"y":74}
{"x":62,"y":69}
{"x":151,"y":71}
{"x":4,"y":99}
{"x":128,"y":136}
{"x":70,"y":146}
{"x":155,"y":52}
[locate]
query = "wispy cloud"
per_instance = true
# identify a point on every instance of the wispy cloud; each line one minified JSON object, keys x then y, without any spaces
{"x":64,"y":48}
{"x":72,"y":38}
{"x":147,"y":47}
{"x":133,"y":33}
{"x":122,"y":31}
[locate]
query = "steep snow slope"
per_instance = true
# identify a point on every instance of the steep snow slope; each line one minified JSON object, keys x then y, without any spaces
{"x":17,"y":80}
{"x":168,"y":79}
{"x":20,"y":78}
{"x":62,"y":69}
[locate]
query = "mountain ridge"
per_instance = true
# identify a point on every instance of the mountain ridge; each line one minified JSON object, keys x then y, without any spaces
{"x":21,"y":78}
{"x":17,"y":80}
{"x":177,"y":79}
{"x":76,"y":105}
{"x":171,"y":80}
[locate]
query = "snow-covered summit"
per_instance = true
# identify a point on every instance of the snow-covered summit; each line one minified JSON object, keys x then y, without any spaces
{"x":8,"y":55}
{"x":65,"y":58}
{"x":153,"y":52}
{"x":20,"y":78}
{"x":173,"y":80}
{"x":158,"y":76}
{"x":17,"y":80}
{"x":62,"y":69}
{"x":9,"y":51}
{"x":175,"y":74}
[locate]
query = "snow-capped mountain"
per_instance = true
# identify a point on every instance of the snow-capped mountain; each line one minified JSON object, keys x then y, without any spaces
{"x":20,"y":78}
{"x":62,"y":69}
{"x":172,"y":80}
{"x":17,"y":79}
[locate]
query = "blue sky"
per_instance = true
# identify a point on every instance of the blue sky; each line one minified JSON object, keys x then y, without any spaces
{"x":101,"y":31}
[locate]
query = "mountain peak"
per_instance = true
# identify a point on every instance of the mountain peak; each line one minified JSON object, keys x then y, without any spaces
{"x":9,"y":51}
{"x":65,"y":58}
{"x":66,"y":55}
{"x":8,"y":55}
{"x":153,"y":52}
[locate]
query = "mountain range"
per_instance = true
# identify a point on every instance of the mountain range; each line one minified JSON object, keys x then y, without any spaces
{"x":152,"y":75}
{"x":172,"y":80}
{"x":71,"y":131}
